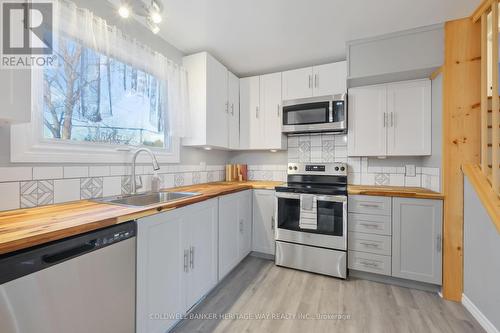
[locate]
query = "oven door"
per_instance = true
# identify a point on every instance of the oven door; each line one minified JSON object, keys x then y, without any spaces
{"x":318,"y":114}
{"x":331,"y":220}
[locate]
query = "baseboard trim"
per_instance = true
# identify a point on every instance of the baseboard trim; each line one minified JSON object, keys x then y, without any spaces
{"x":478,"y":315}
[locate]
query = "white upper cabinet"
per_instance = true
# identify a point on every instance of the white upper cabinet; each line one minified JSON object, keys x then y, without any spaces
{"x":314,"y":81}
{"x":366,"y":121}
{"x":298,"y":83}
{"x":409,"y":108}
{"x":270,"y":103}
{"x":15,"y":108}
{"x":251,"y":129}
{"x":260,"y":102}
{"x":390,"y":119}
{"x":212,"y":92}
{"x":330,"y":79}
{"x":234,"y":110}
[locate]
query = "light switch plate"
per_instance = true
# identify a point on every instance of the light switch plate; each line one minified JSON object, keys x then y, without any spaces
{"x":410,"y":170}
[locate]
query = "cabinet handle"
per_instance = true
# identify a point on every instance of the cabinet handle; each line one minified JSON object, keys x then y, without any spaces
{"x":191,"y":257}
{"x":316,"y":80}
{"x":256,"y":112}
{"x":369,"y":225}
{"x":370,"y":244}
{"x":186,"y":260}
{"x":385,"y":119}
{"x":278,"y":110}
{"x":369,"y":264}
{"x":369,"y":205}
{"x":272,"y":222}
{"x":232,"y":109}
{"x":241,"y":226}
{"x":392,"y":119}
{"x":439,"y":243}
{"x":310,"y":81}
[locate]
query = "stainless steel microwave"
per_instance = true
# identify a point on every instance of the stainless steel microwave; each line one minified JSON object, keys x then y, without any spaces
{"x":315,"y":114}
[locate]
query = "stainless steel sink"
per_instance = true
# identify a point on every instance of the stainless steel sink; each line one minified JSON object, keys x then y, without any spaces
{"x":147,"y":199}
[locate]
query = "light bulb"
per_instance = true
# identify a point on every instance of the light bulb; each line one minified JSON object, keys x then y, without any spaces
{"x":155,"y":29}
{"x":156,"y":17}
{"x":124,"y":11}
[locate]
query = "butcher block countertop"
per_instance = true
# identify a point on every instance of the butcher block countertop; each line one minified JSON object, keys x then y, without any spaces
{"x":394,"y":191}
{"x":23,"y":228}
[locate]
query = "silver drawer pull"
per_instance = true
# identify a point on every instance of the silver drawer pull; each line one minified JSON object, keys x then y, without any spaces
{"x":369,"y":205}
{"x":369,"y":264}
{"x":370,"y":244}
{"x":186,"y":253}
{"x":191,"y":257}
{"x":369,"y":225}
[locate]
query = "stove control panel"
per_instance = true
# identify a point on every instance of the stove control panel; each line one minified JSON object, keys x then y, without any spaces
{"x":330,"y":169}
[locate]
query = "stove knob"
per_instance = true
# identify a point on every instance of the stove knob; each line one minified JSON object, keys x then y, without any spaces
{"x":336,"y":168}
{"x":290,"y":168}
{"x":295,"y":168}
{"x":342,"y":169}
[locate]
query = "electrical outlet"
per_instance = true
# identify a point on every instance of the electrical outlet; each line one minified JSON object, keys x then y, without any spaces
{"x":410,"y":170}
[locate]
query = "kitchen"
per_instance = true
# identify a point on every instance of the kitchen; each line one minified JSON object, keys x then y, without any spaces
{"x":209,"y":166}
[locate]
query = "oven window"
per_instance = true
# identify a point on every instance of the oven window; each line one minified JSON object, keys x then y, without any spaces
{"x":329,"y":217}
{"x":314,"y":113}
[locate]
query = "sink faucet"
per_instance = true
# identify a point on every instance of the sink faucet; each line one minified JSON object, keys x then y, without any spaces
{"x":133,"y":186}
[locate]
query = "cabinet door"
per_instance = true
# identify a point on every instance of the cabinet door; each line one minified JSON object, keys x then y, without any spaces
{"x":234,"y":110}
{"x":367,"y":121}
{"x":229,"y":229}
{"x":330,"y":79}
{"x":251,"y":131}
{"x":159,"y":271}
{"x":200,"y":231}
{"x":298,"y":83}
{"x":245,"y":223}
{"x":263,"y":221}
{"x":217,"y":104}
{"x":270,"y":102}
{"x":417,"y":239}
{"x":409,"y":108}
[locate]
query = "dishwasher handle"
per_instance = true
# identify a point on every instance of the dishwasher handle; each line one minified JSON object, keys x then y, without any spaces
{"x":69,"y":253}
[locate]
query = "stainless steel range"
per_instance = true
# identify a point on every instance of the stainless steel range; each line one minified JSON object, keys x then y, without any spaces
{"x":311,"y":231}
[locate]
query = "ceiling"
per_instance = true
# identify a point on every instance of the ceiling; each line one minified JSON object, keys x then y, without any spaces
{"x":260,"y":36}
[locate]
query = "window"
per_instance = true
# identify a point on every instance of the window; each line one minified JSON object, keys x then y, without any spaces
{"x":91,"y":97}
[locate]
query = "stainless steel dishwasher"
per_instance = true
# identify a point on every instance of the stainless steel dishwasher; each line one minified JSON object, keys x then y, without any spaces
{"x":85,"y":283}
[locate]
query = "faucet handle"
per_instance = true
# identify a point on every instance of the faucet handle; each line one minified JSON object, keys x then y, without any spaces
{"x":138,"y":182}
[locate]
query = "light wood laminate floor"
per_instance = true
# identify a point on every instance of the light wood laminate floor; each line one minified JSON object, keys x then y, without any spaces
{"x":258,"y":288}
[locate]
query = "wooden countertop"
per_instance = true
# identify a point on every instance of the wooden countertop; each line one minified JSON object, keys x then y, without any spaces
{"x":23,"y":228}
{"x":394,"y":191}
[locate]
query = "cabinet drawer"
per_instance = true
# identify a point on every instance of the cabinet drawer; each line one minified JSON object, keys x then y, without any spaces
{"x":370,"y":224}
{"x":370,"y":243}
{"x":368,"y":262}
{"x":366,"y":204}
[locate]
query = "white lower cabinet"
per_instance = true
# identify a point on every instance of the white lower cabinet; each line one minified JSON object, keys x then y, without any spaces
{"x":417,"y":239}
{"x":235,"y":230}
{"x":263,"y":221}
{"x":399,"y":237}
{"x":176,"y":263}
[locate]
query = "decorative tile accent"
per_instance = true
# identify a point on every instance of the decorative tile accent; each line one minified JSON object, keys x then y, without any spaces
{"x":178,"y":179}
{"x":196,"y":177}
{"x":382,"y":179}
{"x":36,"y":193}
{"x":304,"y":151}
{"x":328,"y":151}
{"x":126,"y":184}
{"x":91,"y":188}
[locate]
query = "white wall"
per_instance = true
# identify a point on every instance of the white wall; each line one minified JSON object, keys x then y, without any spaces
{"x":481,"y":258}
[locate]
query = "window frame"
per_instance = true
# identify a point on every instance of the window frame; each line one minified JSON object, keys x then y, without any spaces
{"x":29,"y":145}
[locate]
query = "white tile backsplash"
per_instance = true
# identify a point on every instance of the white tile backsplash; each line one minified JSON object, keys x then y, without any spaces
{"x":15,"y":174}
{"x":40,"y":173}
{"x":66,"y":190}
{"x":76,"y":172}
{"x":10,"y":197}
{"x":111,"y":186}
{"x":99,"y":171}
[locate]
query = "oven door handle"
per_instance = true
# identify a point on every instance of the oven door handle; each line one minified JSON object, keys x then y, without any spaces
{"x":288,"y":195}
{"x":331,"y":198}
